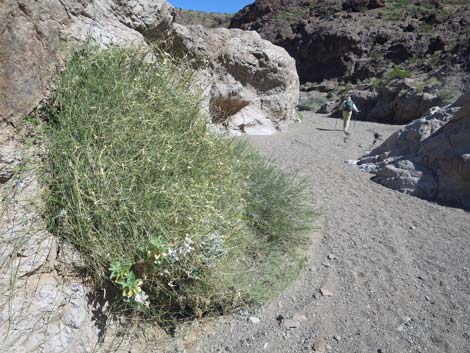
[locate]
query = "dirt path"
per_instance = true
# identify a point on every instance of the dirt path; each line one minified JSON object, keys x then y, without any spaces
{"x":397,"y":267}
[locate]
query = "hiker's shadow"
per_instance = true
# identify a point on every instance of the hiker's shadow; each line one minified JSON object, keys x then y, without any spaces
{"x":321,"y":129}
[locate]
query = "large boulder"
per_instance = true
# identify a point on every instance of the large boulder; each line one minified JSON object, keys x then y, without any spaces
{"x":429,"y":158}
{"x":29,"y":45}
{"x":251,"y":85}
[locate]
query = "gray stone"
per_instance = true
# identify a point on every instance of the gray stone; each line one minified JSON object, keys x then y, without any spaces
{"x":290,"y":323}
{"x":10,"y":158}
{"x":251,"y":86}
{"x":44,"y":312}
{"x":429,"y":157}
{"x":254,"y":320}
{"x":319,"y":346}
{"x":327,"y":108}
{"x":326,"y":292}
{"x":299,"y":317}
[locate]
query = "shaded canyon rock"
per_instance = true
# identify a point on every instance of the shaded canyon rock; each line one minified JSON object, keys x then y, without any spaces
{"x":353,"y":40}
{"x":398,"y":102}
{"x":429,"y":158}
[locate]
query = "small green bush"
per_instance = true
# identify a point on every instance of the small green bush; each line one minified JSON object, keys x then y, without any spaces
{"x":377,"y":83}
{"x":312,"y":103}
{"x":448,"y":94}
{"x":178,"y":220}
{"x":430,"y":83}
{"x":398,"y":73}
{"x":396,"y":10}
{"x":425,"y":28}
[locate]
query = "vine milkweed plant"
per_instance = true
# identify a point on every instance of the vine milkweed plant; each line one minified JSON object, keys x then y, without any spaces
{"x":157,"y":205}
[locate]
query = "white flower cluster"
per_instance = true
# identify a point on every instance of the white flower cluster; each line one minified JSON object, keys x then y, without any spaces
{"x":186,"y":248}
{"x":214,"y":248}
{"x":142,"y":299}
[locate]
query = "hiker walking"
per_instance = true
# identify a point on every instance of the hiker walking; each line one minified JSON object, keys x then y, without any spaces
{"x":348,"y":107}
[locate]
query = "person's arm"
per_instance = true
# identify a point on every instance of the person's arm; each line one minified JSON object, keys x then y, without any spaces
{"x":355,"y":108}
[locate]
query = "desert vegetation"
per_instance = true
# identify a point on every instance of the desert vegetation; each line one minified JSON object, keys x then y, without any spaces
{"x":172,"y":218}
{"x":206,"y":19}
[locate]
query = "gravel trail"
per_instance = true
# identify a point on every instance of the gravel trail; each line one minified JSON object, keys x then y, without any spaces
{"x":395,"y":269}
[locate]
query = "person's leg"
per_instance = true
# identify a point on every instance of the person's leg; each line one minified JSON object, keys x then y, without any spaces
{"x":346,"y":118}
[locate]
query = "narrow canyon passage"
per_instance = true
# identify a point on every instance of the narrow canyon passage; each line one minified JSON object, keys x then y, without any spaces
{"x":387,"y":272}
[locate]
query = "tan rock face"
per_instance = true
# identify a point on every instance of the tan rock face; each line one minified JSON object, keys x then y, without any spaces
{"x":242,"y":67}
{"x":35,"y":35}
{"x":39,"y":310}
{"x":29,"y":42}
{"x":429,"y":158}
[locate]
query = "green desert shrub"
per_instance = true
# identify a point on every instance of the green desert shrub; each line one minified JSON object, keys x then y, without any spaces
{"x":453,"y":86}
{"x":177,"y":220}
{"x":398,"y":73}
{"x":312,"y":103}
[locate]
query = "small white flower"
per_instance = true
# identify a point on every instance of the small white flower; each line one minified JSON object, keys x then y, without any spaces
{"x":142,"y":299}
{"x":173,"y":255}
{"x":186,"y":248}
{"x":63,"y":215}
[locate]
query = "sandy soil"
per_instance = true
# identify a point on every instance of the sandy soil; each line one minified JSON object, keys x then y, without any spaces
{"x":387,"y":272}
{"x":395,"y":269}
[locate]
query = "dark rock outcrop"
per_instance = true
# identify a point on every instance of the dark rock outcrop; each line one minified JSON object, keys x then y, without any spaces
{"x":401,"y":102}
{"x":206,"y":19}
{"x":362,"y":5}
{"x":357,"y":39}
{"x":429,"y":158}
